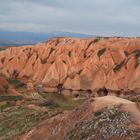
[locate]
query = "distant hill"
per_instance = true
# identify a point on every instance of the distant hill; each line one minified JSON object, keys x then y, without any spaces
{"x":23,"y":38}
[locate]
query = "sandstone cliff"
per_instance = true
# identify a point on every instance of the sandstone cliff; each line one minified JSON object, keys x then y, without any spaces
{"x":76,"y":64}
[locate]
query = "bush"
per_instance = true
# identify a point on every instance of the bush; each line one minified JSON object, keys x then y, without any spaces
{"x":101,"y":52}
{"x":119,"y":66}
{"x":50,"y":102}
{"x":96,"y":40}
{"x":126,"y":53}
{"x":16,"y":83}
{"x":10,"y":98}
{"x":137,"y":53}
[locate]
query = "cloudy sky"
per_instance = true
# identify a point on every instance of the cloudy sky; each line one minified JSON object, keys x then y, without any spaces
{"x":97,"y":17}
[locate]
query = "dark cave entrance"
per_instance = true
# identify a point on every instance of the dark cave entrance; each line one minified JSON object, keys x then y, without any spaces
{"x":59,"y":88}
{"x":102,"y":92}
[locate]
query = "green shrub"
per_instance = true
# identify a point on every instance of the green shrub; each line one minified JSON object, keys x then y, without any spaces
{"x":15,"y":73}
{"x":50,"y":102}
{"x":16,"y":83}
{"x":137,"y":55}
{"x":10,"y":98}
{"x":126,"y":53}
{"x":96,"y":40}
{"x":18,"y":120}
{"x":101,"y":52}
{"x":59,"y":102}
{"x":119,"y":66}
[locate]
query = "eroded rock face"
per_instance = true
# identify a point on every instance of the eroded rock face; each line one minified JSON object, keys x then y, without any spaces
{"x":77,"y":64}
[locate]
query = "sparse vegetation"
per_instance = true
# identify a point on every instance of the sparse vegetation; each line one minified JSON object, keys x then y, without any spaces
{"x":16,"y":83}
{"x":50,"y":102}
{"x":101,"y":52}
{"x":16,"y":120}
{"x":10,"y":98}
{"x":94,"y":41}
{"x":126,"y":53}
{"x":104,"y":125}
{"x":137,"y":55}
{"x":59,"y":102}
{"x":44,"y":61}
{"x":15,"y":73}
{"x":23,"y":107}
{"x":119,"y":66}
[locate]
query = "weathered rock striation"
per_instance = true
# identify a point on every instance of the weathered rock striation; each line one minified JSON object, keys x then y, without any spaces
{"x":76,"y":64}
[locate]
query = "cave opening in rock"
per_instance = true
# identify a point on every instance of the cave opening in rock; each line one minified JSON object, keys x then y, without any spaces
{"x":89,"y":92}
{"x":76,"y":95}
{"x":102,"y":92}
{"x":59,"y":88}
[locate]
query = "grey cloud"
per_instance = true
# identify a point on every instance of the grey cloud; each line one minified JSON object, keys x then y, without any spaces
{"x":104,"y":17}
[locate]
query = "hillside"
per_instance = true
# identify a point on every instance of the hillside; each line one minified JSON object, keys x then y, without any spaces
{"x":76,"y":64}
{"x":70,"y":89}
{"x":106,"y":118}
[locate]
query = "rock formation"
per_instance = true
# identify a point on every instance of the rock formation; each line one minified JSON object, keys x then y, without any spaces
{"x":76,"y":64}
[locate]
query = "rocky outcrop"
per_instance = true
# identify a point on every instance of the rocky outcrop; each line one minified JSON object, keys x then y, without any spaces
{"x":76,"y":64}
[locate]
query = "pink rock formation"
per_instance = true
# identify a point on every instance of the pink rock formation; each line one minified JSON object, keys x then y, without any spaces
{"x":77,"y":64}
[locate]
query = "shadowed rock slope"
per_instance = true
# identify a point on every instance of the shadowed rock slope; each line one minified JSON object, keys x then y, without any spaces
{"x":76,"y":64}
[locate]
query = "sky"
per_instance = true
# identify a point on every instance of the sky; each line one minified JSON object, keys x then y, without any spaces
{"x":96,"y":17}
